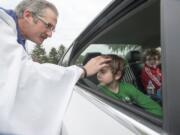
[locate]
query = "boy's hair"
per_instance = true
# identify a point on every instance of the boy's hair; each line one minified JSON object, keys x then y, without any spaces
{"x":116,"y":64}
{"x":151,"y":53}
{"x":35,"y":6}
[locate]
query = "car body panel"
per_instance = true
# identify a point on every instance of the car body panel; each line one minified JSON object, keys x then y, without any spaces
{"x":90,"y":114}
{"x":97,"y":117}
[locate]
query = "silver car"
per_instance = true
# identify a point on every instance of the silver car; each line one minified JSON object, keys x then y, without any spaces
{"x":127,"y":28}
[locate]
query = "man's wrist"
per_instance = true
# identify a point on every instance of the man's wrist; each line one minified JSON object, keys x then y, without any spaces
{"x":84,"y":75}
{"x":85,"y":72}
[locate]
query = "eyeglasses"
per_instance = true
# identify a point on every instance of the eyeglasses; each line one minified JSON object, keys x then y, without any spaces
{"x":48,"y":25}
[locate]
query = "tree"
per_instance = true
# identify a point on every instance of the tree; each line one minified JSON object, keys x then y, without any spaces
{"x":53,"y":56}
{"x":61,"y":51}
{"x":123,"y":48}
{"x":39,"y":54}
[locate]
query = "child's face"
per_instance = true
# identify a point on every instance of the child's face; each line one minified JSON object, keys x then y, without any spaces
{"x":152,"y":61}
{"x":105,"y":76}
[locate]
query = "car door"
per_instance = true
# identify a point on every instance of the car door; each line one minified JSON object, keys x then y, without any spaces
{"x":124,"y":27}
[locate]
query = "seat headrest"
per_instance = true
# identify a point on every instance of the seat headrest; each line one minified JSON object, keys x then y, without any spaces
{"x":89,"y":56}
{"x":134,"y":56}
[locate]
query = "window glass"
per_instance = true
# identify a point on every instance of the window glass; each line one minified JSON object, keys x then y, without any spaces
{"x":118,"y":49}
{"x":146,"y":97}
{"x":137,"y":41}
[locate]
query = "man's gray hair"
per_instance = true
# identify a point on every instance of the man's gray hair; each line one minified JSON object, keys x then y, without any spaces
{"x":34,"y":6}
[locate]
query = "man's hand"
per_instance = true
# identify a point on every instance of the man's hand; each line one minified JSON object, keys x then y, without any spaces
{"x":95,"y":64}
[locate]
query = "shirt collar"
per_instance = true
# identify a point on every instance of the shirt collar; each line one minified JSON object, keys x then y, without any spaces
{"x":20,"y":38}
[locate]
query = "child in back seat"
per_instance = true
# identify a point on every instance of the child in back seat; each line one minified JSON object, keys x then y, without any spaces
{"x":111,"y":85}
{"x":151,"y":76}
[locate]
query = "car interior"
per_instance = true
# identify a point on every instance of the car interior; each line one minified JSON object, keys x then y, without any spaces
{"x":134,"y":59}
{"x":137,"y":26}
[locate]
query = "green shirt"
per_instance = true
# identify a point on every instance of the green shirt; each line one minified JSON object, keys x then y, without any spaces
{"x":128,"y":93}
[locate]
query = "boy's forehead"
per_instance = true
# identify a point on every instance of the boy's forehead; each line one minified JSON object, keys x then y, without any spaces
{"x":149,"y":56}
{"x":106,"y":67}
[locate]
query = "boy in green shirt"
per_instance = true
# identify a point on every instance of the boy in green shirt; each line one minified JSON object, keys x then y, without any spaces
{"x":109,"y":78}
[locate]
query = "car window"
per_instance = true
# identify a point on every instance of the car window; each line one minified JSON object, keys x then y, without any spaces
{"x":133,"y":55}
{"x":118,"y":49}
{"x":130,"y":37}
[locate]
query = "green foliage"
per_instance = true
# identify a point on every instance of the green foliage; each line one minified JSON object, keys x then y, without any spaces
{"x":39,"y":54}
{"x":123,"y":48}
{"x":53,"y":56}
{"x":61,"y":50}
{"x":80,"y":60}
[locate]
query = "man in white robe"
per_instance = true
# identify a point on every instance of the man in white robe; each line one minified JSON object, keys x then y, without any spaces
{"x":33,"y":96}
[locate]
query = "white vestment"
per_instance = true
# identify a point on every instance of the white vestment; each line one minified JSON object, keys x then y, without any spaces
{"x":33,"y":96}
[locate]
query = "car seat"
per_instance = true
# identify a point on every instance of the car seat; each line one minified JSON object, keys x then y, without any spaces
{"x":129,"y":76}
{"x":134,"y":59}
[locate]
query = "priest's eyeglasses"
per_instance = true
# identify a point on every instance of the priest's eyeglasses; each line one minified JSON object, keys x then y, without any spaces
{"x":48,"y":25}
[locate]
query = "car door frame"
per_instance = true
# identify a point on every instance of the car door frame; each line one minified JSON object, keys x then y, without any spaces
{"x":170,"y":45}
{"x":170,"y":39}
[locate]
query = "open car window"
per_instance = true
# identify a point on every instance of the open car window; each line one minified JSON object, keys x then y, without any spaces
{"x":129,"y":37}
{"x":133,"y":55}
